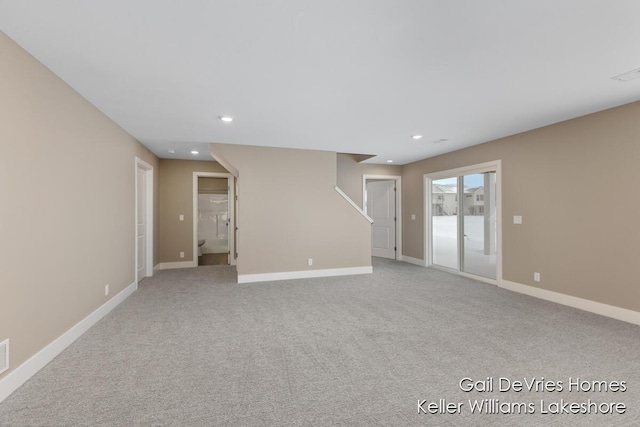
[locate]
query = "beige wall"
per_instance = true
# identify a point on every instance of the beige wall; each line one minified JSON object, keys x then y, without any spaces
{"x":350,"y":174}
{"x":567,"y":181}
{"x":216,"y":185}
{"x":289,"y":211}
{"x":67,"y":176}
{"x":176,"y":198}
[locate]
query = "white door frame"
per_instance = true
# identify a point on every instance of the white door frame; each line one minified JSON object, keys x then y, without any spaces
{"x":231,"y":188}
{"x":148,"y":170}
{"x":398,"y":181}
{"x":496,"y":166}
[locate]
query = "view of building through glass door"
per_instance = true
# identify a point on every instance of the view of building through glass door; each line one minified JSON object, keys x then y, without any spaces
{"x":463,"y":223}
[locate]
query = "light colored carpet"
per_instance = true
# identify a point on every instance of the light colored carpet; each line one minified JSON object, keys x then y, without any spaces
{"x":193,"y":348}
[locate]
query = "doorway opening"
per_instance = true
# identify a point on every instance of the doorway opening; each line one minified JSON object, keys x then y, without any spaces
{"x":144,"y":219}
{"x":463,"y":221}
{"x":213,"y":218}
{"x":381,"y":200}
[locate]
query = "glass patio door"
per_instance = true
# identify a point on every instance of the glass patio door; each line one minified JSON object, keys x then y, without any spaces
{"x":444,"y":222}
{"x":463,"y":223}
{"x":479,"y":225}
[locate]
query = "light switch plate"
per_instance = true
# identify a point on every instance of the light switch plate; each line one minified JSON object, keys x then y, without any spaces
{"x":517,"y":219}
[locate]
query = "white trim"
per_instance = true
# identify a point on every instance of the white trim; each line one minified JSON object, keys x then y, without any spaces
{"x":495,"y":165}
{"x":22,"y":373}
{"x":352,"y":203}
{"x":575,"y":302}
{"x":156,"y":268}
{"x":305,"y":274}
{"x":231,"y":188}
{"x":398,"y":180}
{"x":141,"y":164}
{"x":426,"y":226}
{"x":5,"y":344}
{"x":179,"y":264}
{"x":416,"y":261}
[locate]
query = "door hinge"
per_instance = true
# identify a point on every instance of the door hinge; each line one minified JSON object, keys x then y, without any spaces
{"x":236,"y":197}
{"x":395,"y":248}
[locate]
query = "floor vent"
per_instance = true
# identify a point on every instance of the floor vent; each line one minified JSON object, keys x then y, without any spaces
{"x":4,"y":355}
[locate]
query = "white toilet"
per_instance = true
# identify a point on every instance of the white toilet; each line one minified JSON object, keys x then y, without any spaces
{"x":200,"y":244}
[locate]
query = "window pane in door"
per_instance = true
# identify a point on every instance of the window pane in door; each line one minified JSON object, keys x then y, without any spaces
{"x":479,"y":224}
{"x":444,"y":226}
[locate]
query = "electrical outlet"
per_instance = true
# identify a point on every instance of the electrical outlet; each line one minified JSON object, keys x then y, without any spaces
{"x":413,"y":217}
{"x":181,"y":254}
{"x":310,"y":262}
{"x":517,"y":219}
{"x":181,"y":217}
{"x":106,"y":290}
{"x":536,"y":277}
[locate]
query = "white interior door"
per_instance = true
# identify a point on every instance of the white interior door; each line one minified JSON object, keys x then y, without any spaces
{"x":141,"y":226}
{"x":381,"y":207}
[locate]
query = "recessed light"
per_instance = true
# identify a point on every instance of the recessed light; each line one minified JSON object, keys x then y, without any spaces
{"x":389,"y":161}
{"x":226,"y":119}
{"x":195,"y":152}
{"x":629,"y":75}
{"x":416,"y":137}
{"x":171,"y":151}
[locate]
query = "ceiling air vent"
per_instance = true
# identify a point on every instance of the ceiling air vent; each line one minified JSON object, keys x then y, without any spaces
{"x":628,"y":76}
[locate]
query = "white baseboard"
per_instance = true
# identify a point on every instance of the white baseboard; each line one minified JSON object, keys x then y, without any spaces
{"x":180,"y":264}
{"x":575,"y":302}
{"x":156,"y":268}
{"x":22,"y":373}
{"x":304,"y":274}
{"x":416,"y":261}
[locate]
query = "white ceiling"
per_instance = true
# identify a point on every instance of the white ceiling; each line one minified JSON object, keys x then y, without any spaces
{"x":355,"y":76}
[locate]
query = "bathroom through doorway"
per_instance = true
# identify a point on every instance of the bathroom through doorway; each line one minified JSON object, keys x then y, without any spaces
{"x":213,"y":230}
